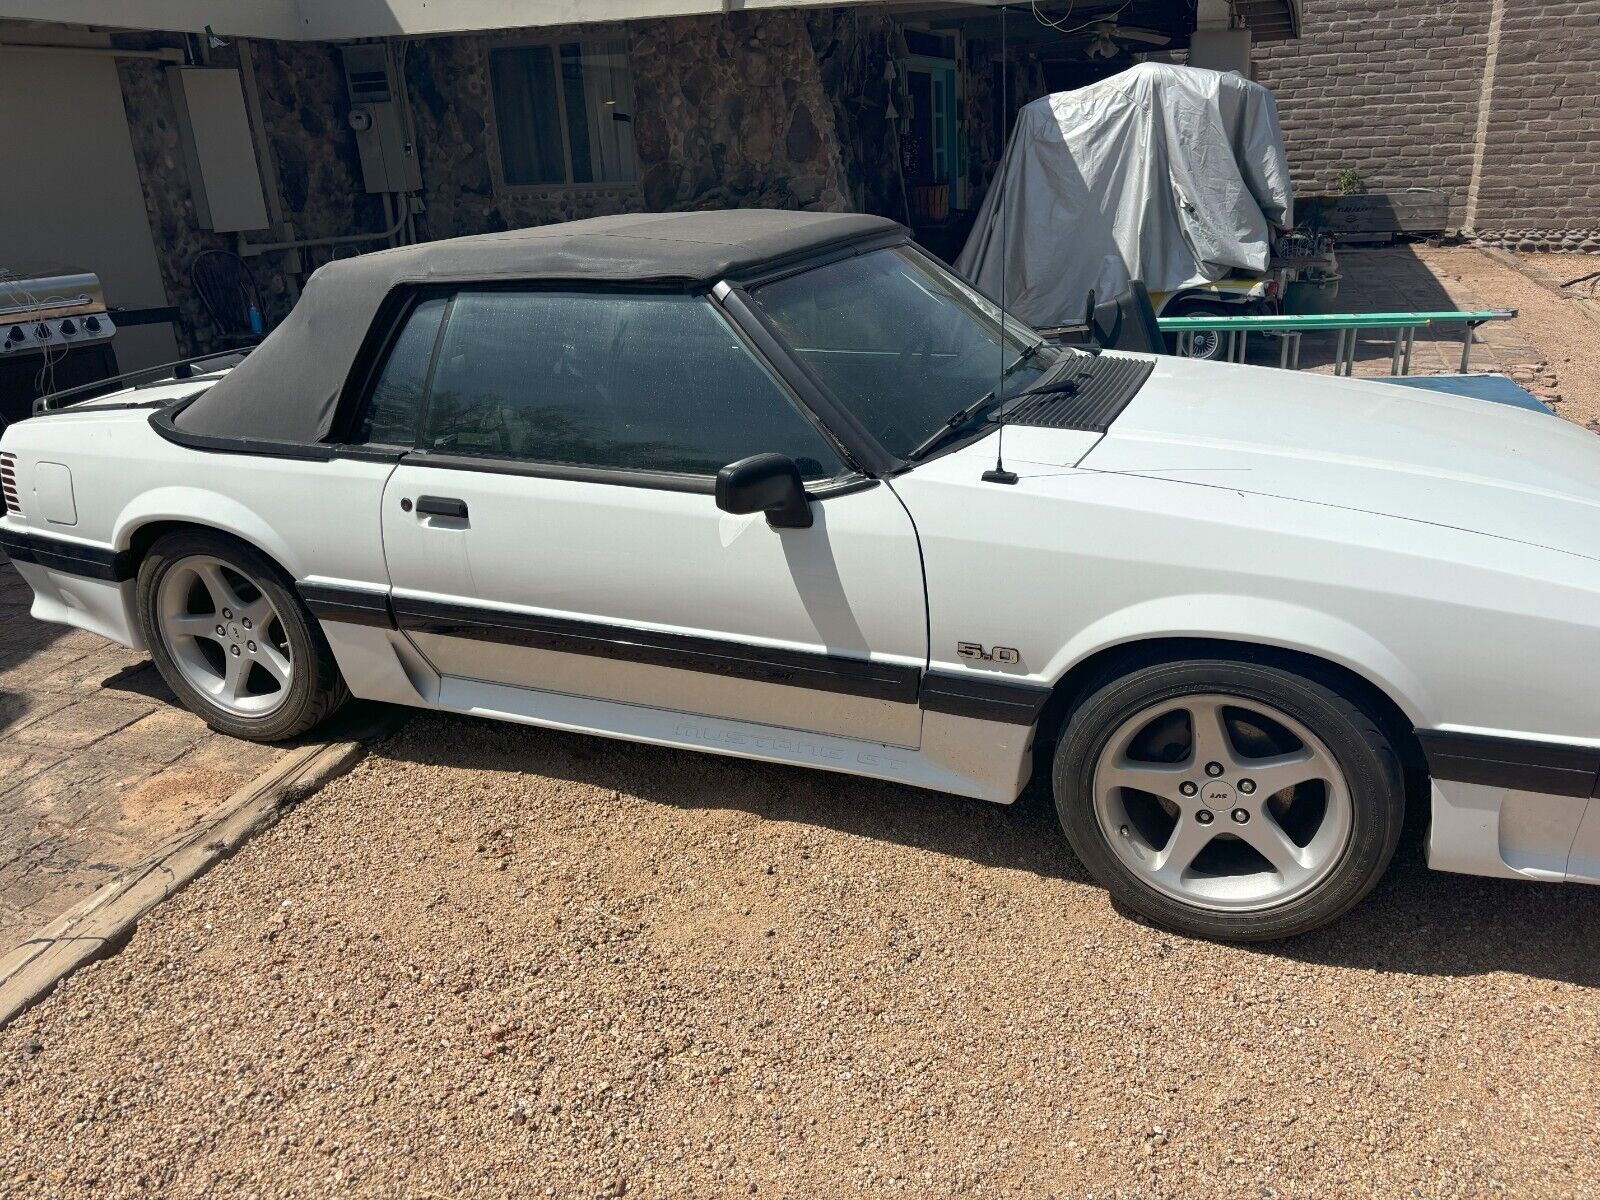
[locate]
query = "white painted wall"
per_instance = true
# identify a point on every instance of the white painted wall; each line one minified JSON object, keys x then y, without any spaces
{"x":69,"y":187}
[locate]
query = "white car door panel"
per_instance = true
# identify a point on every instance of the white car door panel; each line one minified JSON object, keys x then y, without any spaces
{"x":656,"y":597}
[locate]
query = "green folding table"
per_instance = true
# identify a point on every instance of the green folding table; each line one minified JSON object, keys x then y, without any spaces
{"x":1346,"y":325}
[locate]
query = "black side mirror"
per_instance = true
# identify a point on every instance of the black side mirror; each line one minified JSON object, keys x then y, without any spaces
{"x":768,"y":483}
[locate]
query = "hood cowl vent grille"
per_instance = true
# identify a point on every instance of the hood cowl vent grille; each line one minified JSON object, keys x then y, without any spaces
{"x":1105,"y":387}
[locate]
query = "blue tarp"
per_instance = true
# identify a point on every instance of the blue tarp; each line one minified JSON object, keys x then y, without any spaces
{"x":1496,"y":389}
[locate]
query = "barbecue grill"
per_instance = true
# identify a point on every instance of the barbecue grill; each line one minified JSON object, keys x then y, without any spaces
{"x":54,"y":333}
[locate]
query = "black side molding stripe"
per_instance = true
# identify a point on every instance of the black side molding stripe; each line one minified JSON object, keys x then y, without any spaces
{"x":74,"y":558}
{"x":713,"y":656}
{"x":352,"y":606}
{"x":1008,"y":701}
{"x":1005,"y":701}
{"x":1548,"y":767}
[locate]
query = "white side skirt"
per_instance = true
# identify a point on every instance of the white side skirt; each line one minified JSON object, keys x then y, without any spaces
{"x":980,"y":759}
{"x":985,"y":760}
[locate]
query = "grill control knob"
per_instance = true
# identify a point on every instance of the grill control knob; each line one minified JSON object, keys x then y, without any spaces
{"x":16,"y":334}
{"x":68,"y":328}
{"x":41,"y":331}
{"x":91,"y":324}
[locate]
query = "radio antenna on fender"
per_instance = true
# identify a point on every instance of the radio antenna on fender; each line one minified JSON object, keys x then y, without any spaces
{"x":998,"y":473}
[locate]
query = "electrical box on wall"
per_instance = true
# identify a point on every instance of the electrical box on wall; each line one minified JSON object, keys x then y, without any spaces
{"x":217,"y":148}
{"x":1221,"y":50}
{"x":388,"y":159}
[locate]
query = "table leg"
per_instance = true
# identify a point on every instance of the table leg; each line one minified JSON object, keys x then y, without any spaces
{"x":1338,"y":353}
{"x":1394,"y":358}
{"x":1283,"y":351}
{"x":1411,"y":340}
{"x":1295,"y":357}
{"x":1466,"y":346}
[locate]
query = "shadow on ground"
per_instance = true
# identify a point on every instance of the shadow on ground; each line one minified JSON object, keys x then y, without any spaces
{"x":1391,"y":279}
{"x":1417,"y":921}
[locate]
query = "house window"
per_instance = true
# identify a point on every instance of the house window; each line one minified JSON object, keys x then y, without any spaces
{"x":564,"y":113}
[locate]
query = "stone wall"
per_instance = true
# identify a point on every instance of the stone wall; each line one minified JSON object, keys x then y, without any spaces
{"x":314,"y":152}
{"x":728,"y":112}
{"x":855,"y":54}
{"x":1396,"y":93}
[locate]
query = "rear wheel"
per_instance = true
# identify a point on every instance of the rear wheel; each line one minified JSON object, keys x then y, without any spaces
{"x":1228,"y":799}
{"x":232,"y":639}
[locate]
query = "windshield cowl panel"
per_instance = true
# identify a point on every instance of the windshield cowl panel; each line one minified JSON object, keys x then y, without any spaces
{"x":915,"y":354}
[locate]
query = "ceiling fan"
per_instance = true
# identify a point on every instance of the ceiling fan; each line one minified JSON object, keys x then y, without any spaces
{"x":1104,"y":37}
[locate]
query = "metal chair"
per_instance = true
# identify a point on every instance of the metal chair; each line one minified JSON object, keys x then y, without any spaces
{"x":228,"y":290}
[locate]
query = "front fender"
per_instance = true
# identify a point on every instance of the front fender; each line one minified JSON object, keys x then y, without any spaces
{"x":1258,"y":621}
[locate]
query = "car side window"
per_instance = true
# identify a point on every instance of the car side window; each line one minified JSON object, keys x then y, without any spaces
{"x":643,"y":382}
{"x":394,"y":408}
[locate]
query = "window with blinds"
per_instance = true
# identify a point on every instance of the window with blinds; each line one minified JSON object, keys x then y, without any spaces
{"x":564,"y":113}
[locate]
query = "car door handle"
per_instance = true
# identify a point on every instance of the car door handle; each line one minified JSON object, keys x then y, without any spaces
{"x":441,"y":506}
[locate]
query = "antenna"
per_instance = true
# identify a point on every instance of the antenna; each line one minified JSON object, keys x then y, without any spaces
{"x":999,"y":474}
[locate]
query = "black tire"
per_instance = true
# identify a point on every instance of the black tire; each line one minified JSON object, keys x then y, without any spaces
{"x":313,"y":694}
{"x":1212,"y":342}
{"x":1369,"y":763}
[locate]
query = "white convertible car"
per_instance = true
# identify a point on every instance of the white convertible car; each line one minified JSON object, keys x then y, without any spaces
{"x":728,"y":482}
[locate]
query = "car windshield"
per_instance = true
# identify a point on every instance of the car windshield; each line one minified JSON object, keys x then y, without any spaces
{"x":903,"y":343}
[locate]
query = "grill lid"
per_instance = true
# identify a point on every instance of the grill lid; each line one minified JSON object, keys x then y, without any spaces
{"x":37,"y":291}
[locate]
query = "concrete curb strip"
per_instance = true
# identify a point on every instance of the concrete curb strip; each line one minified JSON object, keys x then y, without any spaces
{"x":1543,"y":278}
{"x":102,"y":923}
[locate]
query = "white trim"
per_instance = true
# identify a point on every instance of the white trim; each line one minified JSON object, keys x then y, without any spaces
{"x":320,"y":20}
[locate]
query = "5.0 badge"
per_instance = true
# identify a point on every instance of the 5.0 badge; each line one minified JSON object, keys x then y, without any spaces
{"x":1000,"y":654}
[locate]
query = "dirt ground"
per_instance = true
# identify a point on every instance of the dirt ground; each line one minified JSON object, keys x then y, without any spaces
{"x":1569,"y":340}
{"x":497,"y":961}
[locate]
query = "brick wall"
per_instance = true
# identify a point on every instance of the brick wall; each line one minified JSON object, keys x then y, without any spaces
{"x":1388,"y":90}
{"x":1395,"y":92}
{"x":1541,"y":161}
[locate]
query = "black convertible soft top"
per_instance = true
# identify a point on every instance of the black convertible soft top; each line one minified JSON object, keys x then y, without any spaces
{"x":288,"y":389}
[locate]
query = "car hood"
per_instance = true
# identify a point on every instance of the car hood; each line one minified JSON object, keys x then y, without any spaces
{"x":1371,"y":447}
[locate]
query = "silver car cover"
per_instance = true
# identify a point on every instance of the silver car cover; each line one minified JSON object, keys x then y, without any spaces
{"x":1172,"y":175}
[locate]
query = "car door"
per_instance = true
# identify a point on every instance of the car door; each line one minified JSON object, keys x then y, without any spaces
{"x":556,"y":528}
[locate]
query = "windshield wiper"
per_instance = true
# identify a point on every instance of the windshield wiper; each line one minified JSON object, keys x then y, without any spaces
{"x":956,"y":421}
{"x":1024,"y":357}
{"x":963,"y":416}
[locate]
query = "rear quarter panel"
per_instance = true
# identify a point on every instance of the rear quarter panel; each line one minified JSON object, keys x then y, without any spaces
{"x":316,"y":519}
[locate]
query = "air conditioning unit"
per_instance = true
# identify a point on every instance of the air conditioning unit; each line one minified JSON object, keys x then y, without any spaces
{"x":388,"y":158}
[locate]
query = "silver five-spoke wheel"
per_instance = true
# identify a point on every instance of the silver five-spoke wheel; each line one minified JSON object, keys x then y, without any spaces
{"x":1222,"y":802}
{"x":224,"y":636}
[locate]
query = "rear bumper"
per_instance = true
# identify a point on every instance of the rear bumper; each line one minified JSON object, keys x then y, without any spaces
{"x":76,"y":583}
{"x":1514,"y":809}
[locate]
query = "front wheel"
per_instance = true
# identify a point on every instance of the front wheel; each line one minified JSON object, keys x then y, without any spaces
{"x":1228,"y":799}
{"x":1204,"y":344}
{"x":232,"y":639}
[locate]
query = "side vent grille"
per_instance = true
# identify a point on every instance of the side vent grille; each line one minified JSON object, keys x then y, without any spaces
{"x":8,"y":483}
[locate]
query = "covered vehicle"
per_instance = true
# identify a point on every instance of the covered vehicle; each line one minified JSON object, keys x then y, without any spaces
{"x":1175,"y":176}
{"x":729,"y":482}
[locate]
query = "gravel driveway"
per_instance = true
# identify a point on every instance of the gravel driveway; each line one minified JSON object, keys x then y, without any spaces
{"x":497,"y":961}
